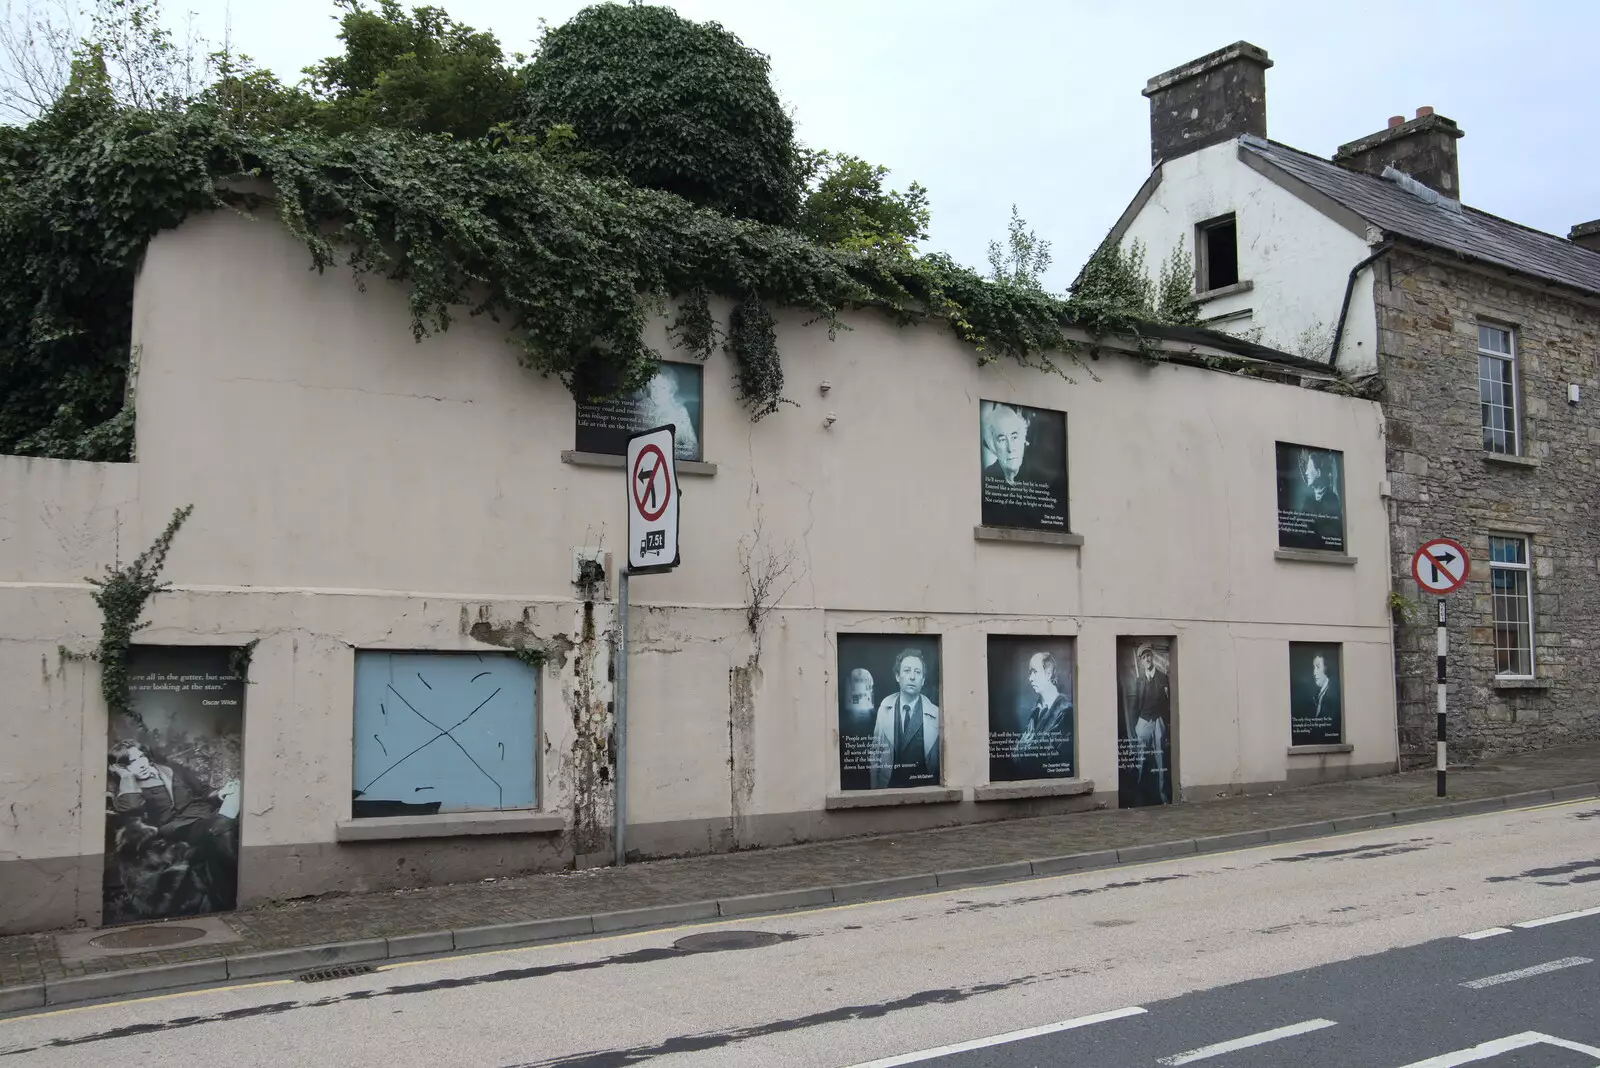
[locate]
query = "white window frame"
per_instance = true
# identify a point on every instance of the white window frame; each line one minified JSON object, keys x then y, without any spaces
{"x":1516,"y":386}
{"x":1527,"y":569}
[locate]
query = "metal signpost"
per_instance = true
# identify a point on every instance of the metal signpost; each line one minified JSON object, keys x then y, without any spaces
{"x":652,"y":491}
{"x":1439,"y":567}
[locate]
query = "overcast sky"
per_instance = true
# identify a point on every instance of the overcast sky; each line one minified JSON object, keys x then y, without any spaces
{"x":1037,"y":103}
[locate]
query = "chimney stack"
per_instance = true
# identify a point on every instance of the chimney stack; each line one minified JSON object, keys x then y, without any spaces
{"x":1207,"y":101}
{"x":1586,"y":234}
{"x":1424,"y":148}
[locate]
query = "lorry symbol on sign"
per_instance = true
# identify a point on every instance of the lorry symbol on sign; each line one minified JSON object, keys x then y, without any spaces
{"x":654,"y":543}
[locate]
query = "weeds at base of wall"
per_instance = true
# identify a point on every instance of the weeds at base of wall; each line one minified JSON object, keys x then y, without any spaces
{"x":121,"y":595}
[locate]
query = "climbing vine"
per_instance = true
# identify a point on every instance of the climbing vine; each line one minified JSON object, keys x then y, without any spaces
{"x":121,"y":595}
{"x":573,"y":265}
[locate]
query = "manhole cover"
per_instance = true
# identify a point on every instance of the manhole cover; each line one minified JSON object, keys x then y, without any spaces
{"x":148,"y":937}
{"x":713,"y":941}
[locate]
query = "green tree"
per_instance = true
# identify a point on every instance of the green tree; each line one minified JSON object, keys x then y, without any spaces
{"x":847,"y":207}
{"x":670,"y":104}
{"x":1023,"y":259}
{"x":420,"y":71}
{"x":1116,"y":283}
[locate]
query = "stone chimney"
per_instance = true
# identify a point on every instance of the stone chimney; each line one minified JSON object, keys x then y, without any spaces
{"x":1207,"y":101}
{"x":1586,"y":234}
{"x":1424,"y":148}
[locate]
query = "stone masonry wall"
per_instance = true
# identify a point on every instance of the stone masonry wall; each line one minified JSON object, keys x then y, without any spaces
{"x":1444,"y":485}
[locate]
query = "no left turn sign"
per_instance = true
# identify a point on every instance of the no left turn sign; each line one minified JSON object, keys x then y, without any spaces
{"x":1439,"y":566}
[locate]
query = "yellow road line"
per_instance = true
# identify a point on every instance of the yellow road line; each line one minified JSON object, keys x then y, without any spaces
{"x":147,"y":998}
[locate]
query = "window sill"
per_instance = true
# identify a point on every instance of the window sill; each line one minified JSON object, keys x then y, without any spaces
{"x":1506,"y":460}
{"x":1038,"y":537}
{"x":1320,"y":750}
{"x":1311,"y":556}
{"x":1021,"y":789}
{"x":1223,"y":291}
{"x":448,"y":825}
{"x":605,"y":459}
{"x":914,"y":795}
{"x":1521,"y":684}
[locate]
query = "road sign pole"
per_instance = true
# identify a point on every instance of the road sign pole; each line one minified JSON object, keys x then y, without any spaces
{"x":1444,"y":644}
{"x":619,"y":725}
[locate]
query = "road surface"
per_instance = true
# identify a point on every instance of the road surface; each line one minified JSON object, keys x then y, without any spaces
{"x":1348,"y":951}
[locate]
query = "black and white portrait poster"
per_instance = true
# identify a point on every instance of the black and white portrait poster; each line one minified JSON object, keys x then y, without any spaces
{"x":1024,"y":455}
{"x":1032,"y":719}
{"x":1310,"y":498}
{"x":1316,"y":709}
{"x":889,"y":719}
{"x":1144,"y":722}
{"x":673,"y":396}
{"x":174,"y":771}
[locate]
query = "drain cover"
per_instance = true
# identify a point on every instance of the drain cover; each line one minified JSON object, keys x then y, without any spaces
{"x":713,"y":941}
{"x":148,"y":937}
{"x":343,"y":971}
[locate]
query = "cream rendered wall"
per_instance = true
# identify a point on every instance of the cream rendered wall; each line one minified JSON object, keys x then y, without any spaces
{"x":355,"y":489}
{"x":1297,"y":258}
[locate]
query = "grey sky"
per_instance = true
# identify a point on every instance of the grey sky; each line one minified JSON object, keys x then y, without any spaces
{"x":1038,"y":103}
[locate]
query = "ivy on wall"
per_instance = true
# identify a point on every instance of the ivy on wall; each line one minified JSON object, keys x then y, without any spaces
{"x":121,"y":595}
{"x":574,"y":265}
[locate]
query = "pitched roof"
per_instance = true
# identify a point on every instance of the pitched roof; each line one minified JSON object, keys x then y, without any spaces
{"x":1405,"y":208}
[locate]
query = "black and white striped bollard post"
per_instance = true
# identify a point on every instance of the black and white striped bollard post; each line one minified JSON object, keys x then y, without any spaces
{"x":1444,"y":644}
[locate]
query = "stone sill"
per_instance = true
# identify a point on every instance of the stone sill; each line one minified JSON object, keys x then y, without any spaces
{"x":1320,"y":750}
{"x":1522,"y":684}
{"x":1312,"y":556}
{"x":1507,"y":460}
{"x":1224,"y":291}
{"x":605,"y":459}
{"x":448,"y":825}
{"x":1024,"y":788}
{"x":913,"y":795}
{"x":1038,"y":537}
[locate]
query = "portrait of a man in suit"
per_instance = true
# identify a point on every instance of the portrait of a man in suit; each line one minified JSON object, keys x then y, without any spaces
{"x":908,"y":728}
{"x":1316,"y":709}
{"x":1031,"y":718}
{"x":1146,"y":772}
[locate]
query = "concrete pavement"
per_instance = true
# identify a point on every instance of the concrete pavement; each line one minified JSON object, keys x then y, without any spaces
{"x":349,"y":929}
{"x":1364,"y":930}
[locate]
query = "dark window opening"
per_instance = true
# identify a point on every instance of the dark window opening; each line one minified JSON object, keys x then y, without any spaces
{"x":1219,"y":254}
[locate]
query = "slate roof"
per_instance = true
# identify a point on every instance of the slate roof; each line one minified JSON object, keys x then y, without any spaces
{"x":1437,"y":222}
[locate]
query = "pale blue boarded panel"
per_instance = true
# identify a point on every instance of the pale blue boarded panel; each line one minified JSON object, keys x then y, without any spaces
{"x":451,"y":728}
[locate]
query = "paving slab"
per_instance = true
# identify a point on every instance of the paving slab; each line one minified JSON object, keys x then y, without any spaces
{"x":538,"y":907}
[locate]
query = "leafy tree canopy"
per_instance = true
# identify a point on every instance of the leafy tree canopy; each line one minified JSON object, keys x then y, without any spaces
{"x":420,"y":71}
{"x":846,"y":206}
{"x":670,"y":104}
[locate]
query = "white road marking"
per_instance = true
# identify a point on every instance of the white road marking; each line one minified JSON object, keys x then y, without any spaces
{"x":1488,"y":933}
{"x":1485,"y":1050}
{"x":998,"y":1040}
{"x":1524,"y":973}
{"x":1259,"y":1039}
{"x":1559,"y":919}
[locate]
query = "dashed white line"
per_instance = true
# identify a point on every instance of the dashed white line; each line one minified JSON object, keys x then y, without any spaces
{"x":1487,"y":933}
{"x":1483,"y":1051}
{"x":1260,"y":1038}
{"x":999,"y":1040}
{"x":1559,"y":919}
{"x":1525,"y":973}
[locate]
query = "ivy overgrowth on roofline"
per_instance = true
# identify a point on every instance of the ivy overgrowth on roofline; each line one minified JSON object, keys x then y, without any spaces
{"x":574,"y":266}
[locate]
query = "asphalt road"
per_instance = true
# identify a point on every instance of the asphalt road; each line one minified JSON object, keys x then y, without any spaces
{"x":1343,"y":951}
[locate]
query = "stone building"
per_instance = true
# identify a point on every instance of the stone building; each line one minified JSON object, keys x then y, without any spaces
{"x":387,"y":660}
{"x":1479,"y":335}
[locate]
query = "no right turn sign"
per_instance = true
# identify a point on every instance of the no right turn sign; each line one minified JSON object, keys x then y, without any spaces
{"x":1439,"y":566}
